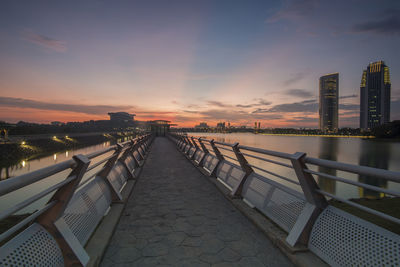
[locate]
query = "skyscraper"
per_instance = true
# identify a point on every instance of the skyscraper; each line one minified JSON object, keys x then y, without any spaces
{"x":375,"y":96}
{"x":328,"y":102}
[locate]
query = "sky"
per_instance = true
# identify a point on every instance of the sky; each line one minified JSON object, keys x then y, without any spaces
{"x":192,"y":61}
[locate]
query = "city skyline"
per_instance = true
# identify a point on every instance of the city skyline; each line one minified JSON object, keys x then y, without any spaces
{"x":191,"y":61}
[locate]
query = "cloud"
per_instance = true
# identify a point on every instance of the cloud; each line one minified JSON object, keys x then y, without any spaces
{"x":304,"y":106}
{"x":44,"y":41}
{"x":296,"y":77}
{"x":41,"y":105}
{"x":349,"y":107}
{"x":389,"y":25}
{"x":217,"y":104}
{"x":299,"y":93}
{"x":294,"y":10}
{"x":260,"y":110}
{"x":303,"y":119}
{"x":245,"y":106}
{"x":260,"y":102}
{"x":347,"y":96}
{"x":236,"y":115}
{"x":263,"y":102}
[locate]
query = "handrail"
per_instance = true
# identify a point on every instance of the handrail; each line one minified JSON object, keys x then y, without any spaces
{"x":63,"y":192}
{"x":361,"y":207}
{"x":223,"y":143}
{"x":9,"y":185}
{"x":25,"y":221}
{"x":304,"y":175}
{"x":267,"y":152}
{"x":101,"y":152}
{"x":276,"y":175}
{"x":33,"y":198}
{"x":269,"y":160}
{"x":364,"y":170}
{"x":343,"y":180}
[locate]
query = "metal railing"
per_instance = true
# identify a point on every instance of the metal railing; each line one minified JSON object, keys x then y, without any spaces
{"x":122,"y":161}
{"x":271,"y":192}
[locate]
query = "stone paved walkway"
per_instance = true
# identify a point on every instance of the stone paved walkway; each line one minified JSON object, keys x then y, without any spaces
{"x":175,"y":217}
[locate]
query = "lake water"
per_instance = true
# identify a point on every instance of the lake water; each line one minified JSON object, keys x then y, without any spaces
{"x":26,"y":166}
{"x":379,"y":154}
{"x":372,"y":153}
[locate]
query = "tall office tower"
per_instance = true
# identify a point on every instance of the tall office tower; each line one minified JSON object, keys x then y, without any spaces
{"x":328,"y":102}
{"x":375,"y":96}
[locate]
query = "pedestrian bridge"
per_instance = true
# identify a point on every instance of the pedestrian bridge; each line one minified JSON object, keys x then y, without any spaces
{"x":184,"y":201}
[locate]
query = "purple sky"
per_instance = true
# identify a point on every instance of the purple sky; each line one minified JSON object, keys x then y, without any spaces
{"x":191,"y":61}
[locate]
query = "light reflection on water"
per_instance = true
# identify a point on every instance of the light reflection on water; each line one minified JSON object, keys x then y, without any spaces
{"x":27,"y":166}
{"x":372,"y":153}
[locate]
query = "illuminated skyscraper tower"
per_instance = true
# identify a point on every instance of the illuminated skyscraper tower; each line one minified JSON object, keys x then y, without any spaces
{"x":375,"y":96}
{"x":328,"y":102}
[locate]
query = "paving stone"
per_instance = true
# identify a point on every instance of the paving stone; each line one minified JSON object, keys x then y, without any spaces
{"x":126,"y":255}
{"x":192,"y":242}
{"x":175,"y":217}
{"x":155,"y":249}
{"x":229,"y":255}
{"x":250,"y":261}
{"x":212,"y":246}
{"x":175,"y":238}
{"x":244,"y":248}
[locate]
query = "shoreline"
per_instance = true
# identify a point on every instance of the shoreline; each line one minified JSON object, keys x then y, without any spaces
{"x":13,"y":153}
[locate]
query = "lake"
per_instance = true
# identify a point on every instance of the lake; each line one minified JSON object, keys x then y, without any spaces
{"x":383,"y":154}
{"x":26,"y":166}
{"x":373,"y":153}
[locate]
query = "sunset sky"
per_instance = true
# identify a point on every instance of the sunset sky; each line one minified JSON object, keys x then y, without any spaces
{"x":191,"y":61}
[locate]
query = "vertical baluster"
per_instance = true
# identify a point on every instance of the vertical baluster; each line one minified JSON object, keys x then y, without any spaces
{"x":73,"y":254}
{"x":244,"y":164}
{"x":316,"y":202}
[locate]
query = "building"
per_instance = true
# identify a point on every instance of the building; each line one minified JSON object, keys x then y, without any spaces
{"x":375,"y":96}
{"x":221,"y":125}
{"x":329,"y":102}
{"x":160,"y":127}
{"x":202,"y":125}
{"x":121,"y":117}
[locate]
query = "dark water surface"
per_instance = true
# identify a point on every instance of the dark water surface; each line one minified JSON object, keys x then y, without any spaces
{"x":26,"y":166}
{"x":373,"y":153}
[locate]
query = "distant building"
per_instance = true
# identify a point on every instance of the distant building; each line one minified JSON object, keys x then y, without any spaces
{"x":328,"y":102}
{"x":221,"y":125}
{"x":202,"y":125}
{"x":57,"y":123}
{"x":121,"y":117}
{"x":160,"y":127}
{"x":375,"y":96}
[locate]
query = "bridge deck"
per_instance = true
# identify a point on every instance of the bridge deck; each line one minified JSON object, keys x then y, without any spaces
{"x":176,"y":217}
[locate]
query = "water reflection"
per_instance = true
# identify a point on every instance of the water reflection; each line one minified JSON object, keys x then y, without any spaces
{"x":374,"y":155}
{"x":328,"y":149}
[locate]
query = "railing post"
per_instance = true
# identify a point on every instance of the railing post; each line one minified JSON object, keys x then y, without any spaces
{"x":194,"y":143}
{"x":122,"y":160}
{"x":203,"y":147}
{"x":244,"y":164}
{"x":218,"y":154}
{"x":205,"y":150}
{"x":315,"y":202}
{"x":73,"y":254}
{"x":115,"y":195}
